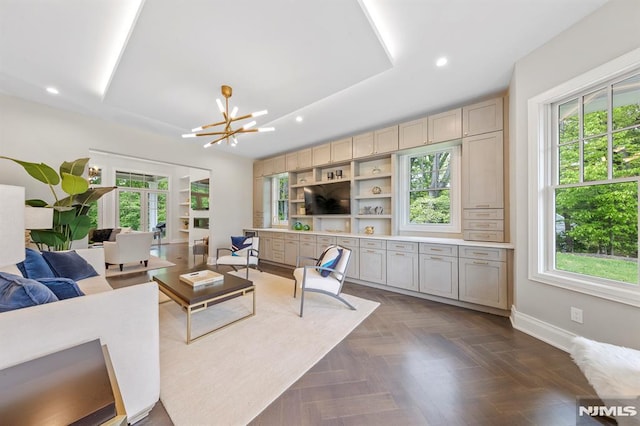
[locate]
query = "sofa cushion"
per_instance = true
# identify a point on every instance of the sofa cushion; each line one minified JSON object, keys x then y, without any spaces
{"x":69,"y":264}
{"x":63,"y":288}
{"x":92,"y":285}
{"x":35,"y":266}
{"x":18,"y":292}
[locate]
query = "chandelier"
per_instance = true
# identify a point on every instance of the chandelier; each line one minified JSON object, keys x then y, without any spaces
{"x":228,"y":132}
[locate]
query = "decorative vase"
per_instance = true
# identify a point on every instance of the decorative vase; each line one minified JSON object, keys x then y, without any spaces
{"x":368,"y":230}
{"x":297,"y":226}
{"x":376,"y":190}
{"x":306,"y":227}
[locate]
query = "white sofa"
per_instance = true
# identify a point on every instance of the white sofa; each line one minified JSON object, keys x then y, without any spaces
{"x":125,"y":320}
{"x":128,"y":247}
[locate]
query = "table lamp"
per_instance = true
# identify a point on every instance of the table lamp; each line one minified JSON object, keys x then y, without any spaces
{"x":11,"y":224}
{"x":36,"y":218}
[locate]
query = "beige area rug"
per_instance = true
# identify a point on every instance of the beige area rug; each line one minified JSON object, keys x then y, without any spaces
{"x":230,"y":376}
{"x":132,"y":268}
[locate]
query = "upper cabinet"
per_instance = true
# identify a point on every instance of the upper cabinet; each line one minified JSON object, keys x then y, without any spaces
{"x":378,"y":142}
{"x":414,"y":133}
{"x":445,"y":126}
{"x":299,"y":160}
{"x":272,"y":166}
{"x":258,"y":168}
{"x":482,"y":171}
{"x":341,"y":150}
{"x":321,"y":154}
{"x":483,"y":117}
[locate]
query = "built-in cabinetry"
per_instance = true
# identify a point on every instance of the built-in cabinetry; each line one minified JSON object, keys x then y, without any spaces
{"x":185,"y":206}
{"x":483,"y":172}
{"x":473,"y":274}
{"x":368,"y":160}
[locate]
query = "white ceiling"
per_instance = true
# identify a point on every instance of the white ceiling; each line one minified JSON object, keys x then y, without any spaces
{"x":346,"y":66}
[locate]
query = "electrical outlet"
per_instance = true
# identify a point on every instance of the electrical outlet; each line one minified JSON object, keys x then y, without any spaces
{"x":576,"y":315}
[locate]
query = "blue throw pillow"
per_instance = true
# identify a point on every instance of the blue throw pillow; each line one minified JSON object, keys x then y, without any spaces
{"x":18,"y":292}
{"x":63,"y":288}
{"x":329,"y":259}
{"x":34,"y":266}
{"x":241,"y":245}
{"x":69,"y":264}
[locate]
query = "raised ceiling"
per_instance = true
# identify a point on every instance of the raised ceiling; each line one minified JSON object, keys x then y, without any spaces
{"x":345,"y":66}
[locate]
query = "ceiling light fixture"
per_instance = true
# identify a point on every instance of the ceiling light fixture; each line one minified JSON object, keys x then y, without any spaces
{"x":228,"y":133}
{"x":299,"y":119}
{"x":441,"y":62}
{"x":52,"y":90}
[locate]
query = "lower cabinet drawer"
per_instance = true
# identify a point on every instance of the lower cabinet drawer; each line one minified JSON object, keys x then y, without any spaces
{"x":495,"y":236}
{"x":374,"y":244}
{"x":291,"y":237}
{"x":277,"y":245}
{"x":484,"y":253}
{"x":277,"y":256}
{"x":347,"y":241}
{"x":308,"y":238}
{"x":493,"y":225}
{"x":483,"y":214}
{"x":322,"y":239}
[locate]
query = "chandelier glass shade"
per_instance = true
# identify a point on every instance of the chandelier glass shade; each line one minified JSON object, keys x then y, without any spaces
{"x":227,"y":132}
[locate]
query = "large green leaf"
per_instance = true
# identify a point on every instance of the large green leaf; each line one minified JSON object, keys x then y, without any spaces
{"x":91,"y":195}
{"x":41,"y":172}
{"x":47,"y":237}
{"x":63,"y":215}
{"x":75,"y":167}
{"x":36,"y":203}
{"x":80,"y":227}
{"x":74,"y":185}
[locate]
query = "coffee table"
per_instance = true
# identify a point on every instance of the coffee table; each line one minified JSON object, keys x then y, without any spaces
{"x":196,"y":299}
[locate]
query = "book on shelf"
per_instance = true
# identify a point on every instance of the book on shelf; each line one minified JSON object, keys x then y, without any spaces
{"x":201,"y":278}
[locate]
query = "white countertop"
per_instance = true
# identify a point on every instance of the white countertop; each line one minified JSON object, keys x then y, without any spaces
{"x":404,"y":238}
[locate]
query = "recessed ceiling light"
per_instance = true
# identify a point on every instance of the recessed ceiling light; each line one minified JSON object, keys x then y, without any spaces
{"x":52,"y":90}
{"x":441,"y":62}
{"x":299,"y":119}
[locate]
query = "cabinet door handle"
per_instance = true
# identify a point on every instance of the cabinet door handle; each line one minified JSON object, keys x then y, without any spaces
{"x":482,"y":205}
{"x":399,"y":254}
{"x":481,"y":253}
{"x":475,"y":262}
{"x":370,"y":251}
{"x":436,"y":249}
{"x":482,"y":225}
{"x":483,"y":214}
{"x":435,"y":258}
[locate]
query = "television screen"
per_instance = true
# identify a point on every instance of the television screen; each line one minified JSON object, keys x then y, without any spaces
{"x":329,"y":198}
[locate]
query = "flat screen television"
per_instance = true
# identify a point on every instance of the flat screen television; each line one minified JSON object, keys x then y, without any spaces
{"x":328,"y":198}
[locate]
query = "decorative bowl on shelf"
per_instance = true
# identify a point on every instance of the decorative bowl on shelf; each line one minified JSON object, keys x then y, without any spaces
{"x":376,"y":190}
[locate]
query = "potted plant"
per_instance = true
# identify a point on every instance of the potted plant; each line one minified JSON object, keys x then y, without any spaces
{"x":70,"y":218}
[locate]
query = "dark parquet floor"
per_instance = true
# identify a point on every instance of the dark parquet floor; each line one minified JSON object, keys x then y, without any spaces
{"x":417,"y":362}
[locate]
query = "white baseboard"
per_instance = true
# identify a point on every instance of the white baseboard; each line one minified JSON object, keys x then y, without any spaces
{"x":548,"y":333}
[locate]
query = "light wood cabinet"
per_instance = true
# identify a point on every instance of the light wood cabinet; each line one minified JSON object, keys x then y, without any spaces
{"x":268,"y":167}
{"x":321,"y":154}
{"x":483,"y":117}
{"x":291,"y":250}
{"x":258,"y":202}
{"x":482,"y":171}
{"x":258,"y":168}
{"x":445,"y":126}
{"x":402,"y":269}
{"x":481,"y":279}
{"x":299,"y":160}
{"x":439,"y":275}
{"x":341,"y":150}
{"x":373,"y":265}
{"x":279,"y":164}
{"x":413,"y":133}
{"x":378,"y":142}
{"x":291,"y":160}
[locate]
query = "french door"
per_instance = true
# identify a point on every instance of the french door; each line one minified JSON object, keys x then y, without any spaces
{"x":141,"y":209}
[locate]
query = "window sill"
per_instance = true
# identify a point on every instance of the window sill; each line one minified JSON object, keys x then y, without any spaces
{"x":628,"y":296}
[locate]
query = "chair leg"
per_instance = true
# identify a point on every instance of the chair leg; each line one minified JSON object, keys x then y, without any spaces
{"x":121,"y":265}
{"x":295,"y":288}
{"x":301,"y":301}
{"x":345,"y":302}
{"x":146,"y":263}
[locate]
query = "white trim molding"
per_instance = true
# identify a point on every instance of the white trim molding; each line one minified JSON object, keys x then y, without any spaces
{"x":548,"y":333}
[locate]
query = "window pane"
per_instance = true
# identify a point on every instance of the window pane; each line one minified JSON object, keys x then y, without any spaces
{"x":626,"y":103}
{"x":283,"y":188}
{"x":282,"y":210}
{"x":597,"y":231}
{"x":626,"y":153}
{"x":420,"y":170}
{"x":595,"y":159}
{"x":129,"y":206}
{"x":595,"y":113}
{"x":568,"y":121}
{"x":569,"y":167}
{"x":430,"y":207}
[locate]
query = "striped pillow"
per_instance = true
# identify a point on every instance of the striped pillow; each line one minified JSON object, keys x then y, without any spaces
{"x":329,"y":259}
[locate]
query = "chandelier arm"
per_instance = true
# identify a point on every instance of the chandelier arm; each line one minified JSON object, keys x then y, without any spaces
{"x":206,"y":126}
{"x":241,"y":117}
{"x":217,"y":140}
{"x":211,"y":133}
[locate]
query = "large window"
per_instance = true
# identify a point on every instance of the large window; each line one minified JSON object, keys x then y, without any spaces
{"x":142,"y":200}
{"x":429,"y":190}
{"x":595,"y":193}
{"x":280,"y":199}
{"x":584,"y":234}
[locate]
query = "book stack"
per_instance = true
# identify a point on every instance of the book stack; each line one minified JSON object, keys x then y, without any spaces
{"x":199,"y":278}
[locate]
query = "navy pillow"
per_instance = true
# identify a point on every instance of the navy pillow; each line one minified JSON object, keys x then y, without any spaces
{"x":69,"y":264}
{"x":241,"y":245}
{"x":34,"y":265}
{"x":18,"y":292}
{"x":63,"y":288}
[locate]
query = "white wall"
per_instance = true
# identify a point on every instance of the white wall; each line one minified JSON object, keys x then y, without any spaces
{"x":543,"y":310}
{"x":38,"y":133}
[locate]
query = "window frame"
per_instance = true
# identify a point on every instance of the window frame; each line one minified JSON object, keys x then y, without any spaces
{"x":542,"y":168}
{"x":275,"y":190}
{"x":455,"y":225}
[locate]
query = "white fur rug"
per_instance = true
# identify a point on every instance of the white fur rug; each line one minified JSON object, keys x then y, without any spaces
{"x":613,"y":371}
{"x":230,"y":376}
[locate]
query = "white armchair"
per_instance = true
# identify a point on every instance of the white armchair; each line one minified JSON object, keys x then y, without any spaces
{"x":128,"y":247}
{"x":247,"y":258}
{"x":310,"y":278}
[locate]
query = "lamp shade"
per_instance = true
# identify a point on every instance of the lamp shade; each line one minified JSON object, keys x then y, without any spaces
{"x":11,"y":224}
{"x":38,"y":218}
